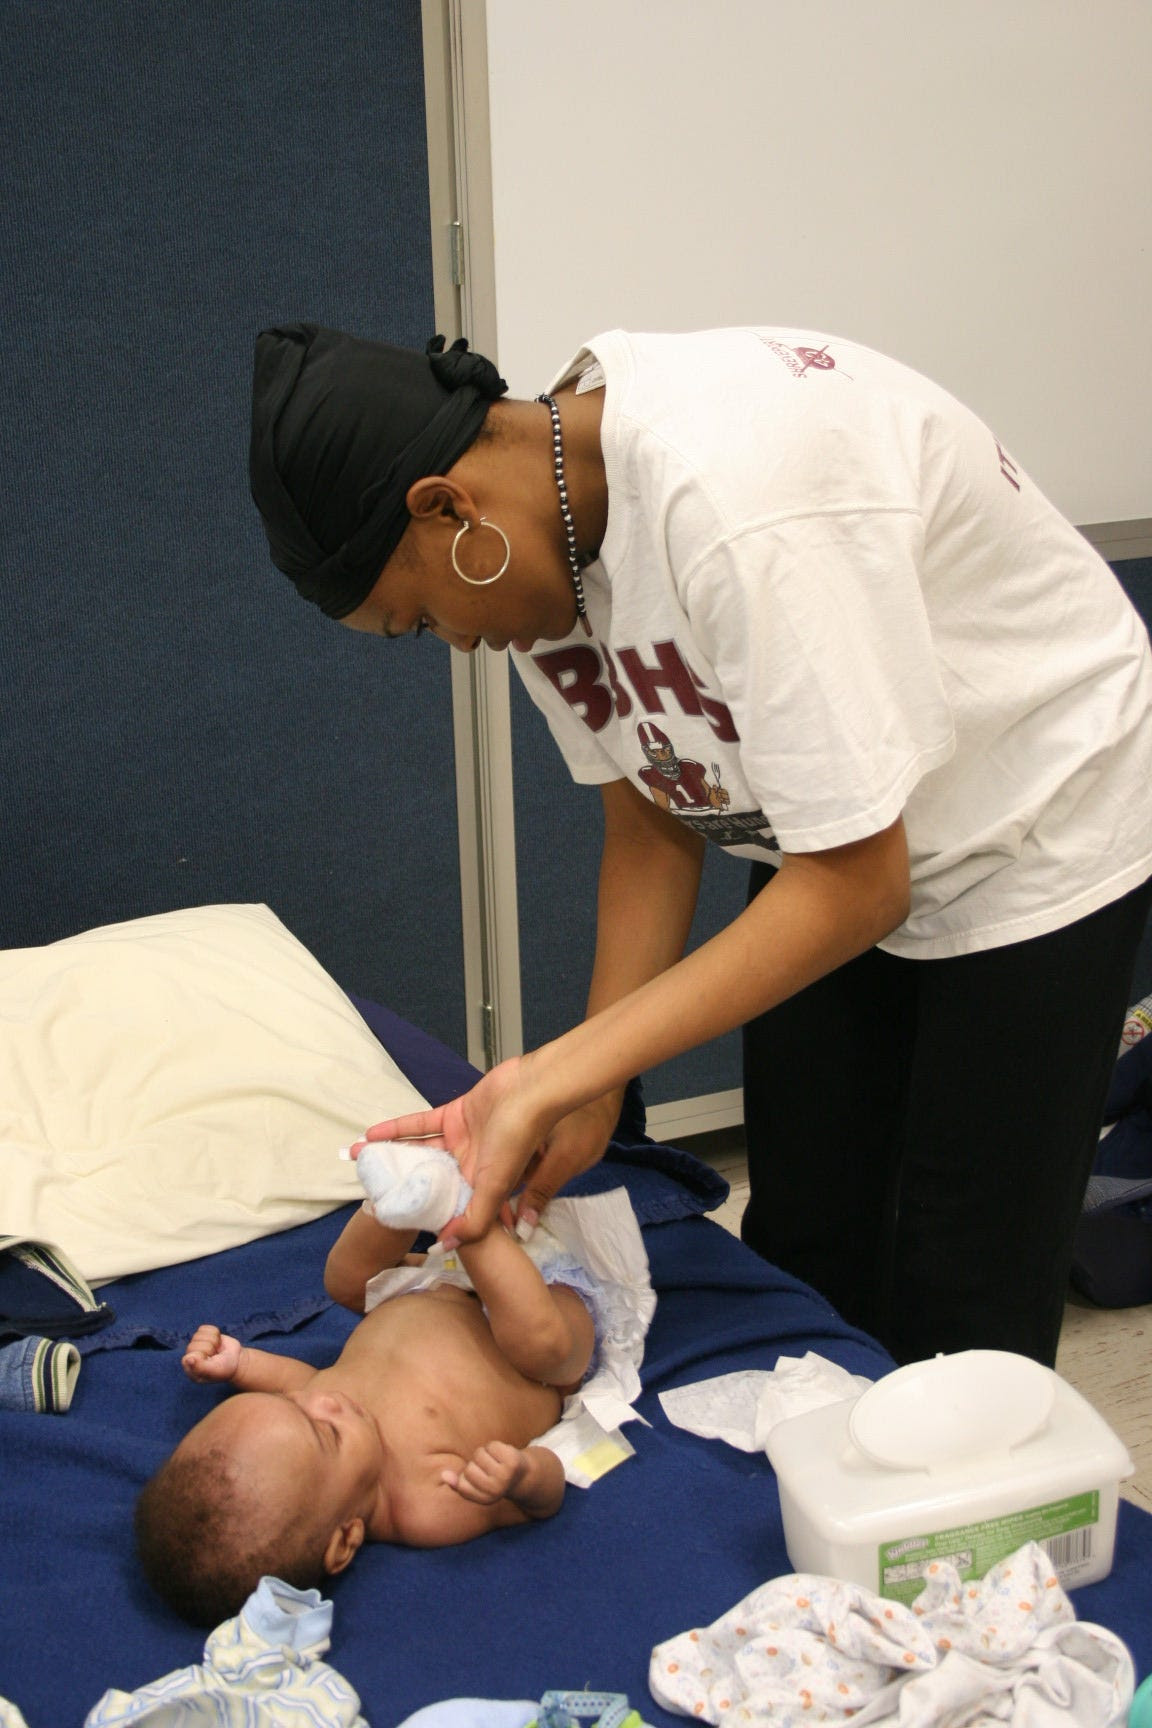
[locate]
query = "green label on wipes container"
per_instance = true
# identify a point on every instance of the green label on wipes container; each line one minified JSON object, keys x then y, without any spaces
{"x":1065,"y":1528}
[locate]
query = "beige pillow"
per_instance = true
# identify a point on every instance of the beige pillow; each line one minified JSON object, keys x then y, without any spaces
{"x":177,"y":1085}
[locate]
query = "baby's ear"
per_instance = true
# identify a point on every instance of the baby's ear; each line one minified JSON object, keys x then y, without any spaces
{"x":342,"y":1545}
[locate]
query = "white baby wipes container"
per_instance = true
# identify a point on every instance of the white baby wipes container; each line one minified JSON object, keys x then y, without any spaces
{"x":963,"y":1458}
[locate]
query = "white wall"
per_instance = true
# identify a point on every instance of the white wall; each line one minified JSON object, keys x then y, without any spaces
{"x":963,"y":184}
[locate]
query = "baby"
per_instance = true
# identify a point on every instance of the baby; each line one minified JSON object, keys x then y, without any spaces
{"x":418,"y":1433}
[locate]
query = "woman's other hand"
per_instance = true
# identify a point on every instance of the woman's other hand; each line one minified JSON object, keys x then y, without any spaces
{"x":578,"y":1141}
{"x":494,"y":1132}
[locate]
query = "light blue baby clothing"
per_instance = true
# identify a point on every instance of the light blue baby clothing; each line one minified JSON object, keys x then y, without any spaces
{"x":262,"y":1669}
{"x":583,"y":1709}
{"x":38,"y":1374}
{"x":474,"y":1713}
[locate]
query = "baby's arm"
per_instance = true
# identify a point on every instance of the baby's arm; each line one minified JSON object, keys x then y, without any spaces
{"x":212,"y":1356}
{"x":544,"y":1330}
{"x":361,"y":1250}
{"x":498,"y":1486}
{"x":531,"y":1477}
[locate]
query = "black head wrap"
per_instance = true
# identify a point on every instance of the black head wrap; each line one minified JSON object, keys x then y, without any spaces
{"x":340,"y":430}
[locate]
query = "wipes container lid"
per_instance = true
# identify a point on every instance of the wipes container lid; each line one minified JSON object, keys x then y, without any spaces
{"x":932,"y":1415}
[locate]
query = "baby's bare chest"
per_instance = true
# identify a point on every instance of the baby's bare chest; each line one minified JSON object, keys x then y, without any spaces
{"x":431,"y":1373}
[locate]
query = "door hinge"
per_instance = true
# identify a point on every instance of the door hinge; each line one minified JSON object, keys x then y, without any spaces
{"x":456,"y":241}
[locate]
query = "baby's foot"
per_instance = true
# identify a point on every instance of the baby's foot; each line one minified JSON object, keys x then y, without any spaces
{"x":410,"y":1185}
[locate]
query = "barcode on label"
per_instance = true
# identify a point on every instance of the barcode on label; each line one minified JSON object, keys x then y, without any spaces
{"x":1067,"y":1550}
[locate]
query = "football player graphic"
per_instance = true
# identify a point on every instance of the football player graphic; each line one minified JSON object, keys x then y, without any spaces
{"x":676,"y":782}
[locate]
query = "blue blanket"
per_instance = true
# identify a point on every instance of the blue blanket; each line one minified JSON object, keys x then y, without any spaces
{"x":668,"y":1541}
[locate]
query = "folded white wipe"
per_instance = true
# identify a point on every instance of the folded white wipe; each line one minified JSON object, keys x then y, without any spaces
{"x":411,"y":1185}
{"x":743,"y":1408}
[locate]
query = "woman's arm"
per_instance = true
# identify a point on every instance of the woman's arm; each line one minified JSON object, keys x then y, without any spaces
{"x":362,"y":1249}
{"x":820,"y":910}
{"x":649,"y":880}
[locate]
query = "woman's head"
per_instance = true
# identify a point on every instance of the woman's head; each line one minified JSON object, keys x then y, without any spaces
{"x":341,"y":428}
{"x":399,"y":492}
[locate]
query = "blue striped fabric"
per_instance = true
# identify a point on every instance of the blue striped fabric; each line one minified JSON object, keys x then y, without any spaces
{"x":38,"y":1375}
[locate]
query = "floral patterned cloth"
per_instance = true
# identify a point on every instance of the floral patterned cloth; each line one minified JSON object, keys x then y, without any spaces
{"x":804,"y":1649}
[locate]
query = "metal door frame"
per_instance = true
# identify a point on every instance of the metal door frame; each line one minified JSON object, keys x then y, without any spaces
{"x":460,"y":188}
{"x":459,"y":167}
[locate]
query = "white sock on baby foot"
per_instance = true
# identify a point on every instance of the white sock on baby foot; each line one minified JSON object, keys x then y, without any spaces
{"x":412,"y":1186}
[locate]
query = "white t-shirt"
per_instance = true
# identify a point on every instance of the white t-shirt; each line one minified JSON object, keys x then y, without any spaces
{"x":827,"y":595}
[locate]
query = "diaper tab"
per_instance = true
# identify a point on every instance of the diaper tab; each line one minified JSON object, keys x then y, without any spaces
{"x":586,"y":1450}
{"x":38,"y":1375}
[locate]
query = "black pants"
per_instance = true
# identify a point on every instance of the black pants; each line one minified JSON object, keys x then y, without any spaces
{"x":920,"y":1132}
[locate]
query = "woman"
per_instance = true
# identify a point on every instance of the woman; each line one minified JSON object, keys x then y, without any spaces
{"x":774,"y":590}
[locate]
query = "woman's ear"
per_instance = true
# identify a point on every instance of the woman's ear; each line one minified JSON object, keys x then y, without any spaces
{"x":436,"y":495}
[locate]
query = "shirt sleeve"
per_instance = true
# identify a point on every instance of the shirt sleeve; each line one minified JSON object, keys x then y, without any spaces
{"x":817,"y":629}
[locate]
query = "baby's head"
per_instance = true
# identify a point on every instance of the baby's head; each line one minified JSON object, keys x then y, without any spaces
{"x":266,"y":1483}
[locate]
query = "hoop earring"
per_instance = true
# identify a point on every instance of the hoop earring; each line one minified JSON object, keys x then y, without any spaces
{"x":481,"y":581}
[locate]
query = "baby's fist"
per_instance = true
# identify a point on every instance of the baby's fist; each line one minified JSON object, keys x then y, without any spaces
{"x":211,"y":1355}
{"x":492,"y":1472}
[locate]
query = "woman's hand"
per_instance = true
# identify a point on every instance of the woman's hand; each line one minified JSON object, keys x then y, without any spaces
{"x":491,"y":1132}
{"x":578,"y":1141}
{"x":494,"y":1132}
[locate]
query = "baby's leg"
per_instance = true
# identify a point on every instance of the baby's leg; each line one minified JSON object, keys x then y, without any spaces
{"x":545,"y":1330}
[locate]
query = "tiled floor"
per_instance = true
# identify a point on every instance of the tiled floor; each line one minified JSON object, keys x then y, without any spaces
{"x":1106,"y":1353}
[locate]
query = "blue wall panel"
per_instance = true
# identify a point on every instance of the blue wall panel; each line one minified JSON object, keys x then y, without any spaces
{"x":180,"y":728}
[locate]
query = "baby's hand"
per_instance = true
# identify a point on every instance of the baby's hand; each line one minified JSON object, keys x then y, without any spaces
{"x":492,"y":1472}
{"x":211,"y":1355}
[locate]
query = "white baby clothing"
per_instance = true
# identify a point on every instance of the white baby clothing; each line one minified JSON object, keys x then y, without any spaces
{"x":806,"y":1649}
